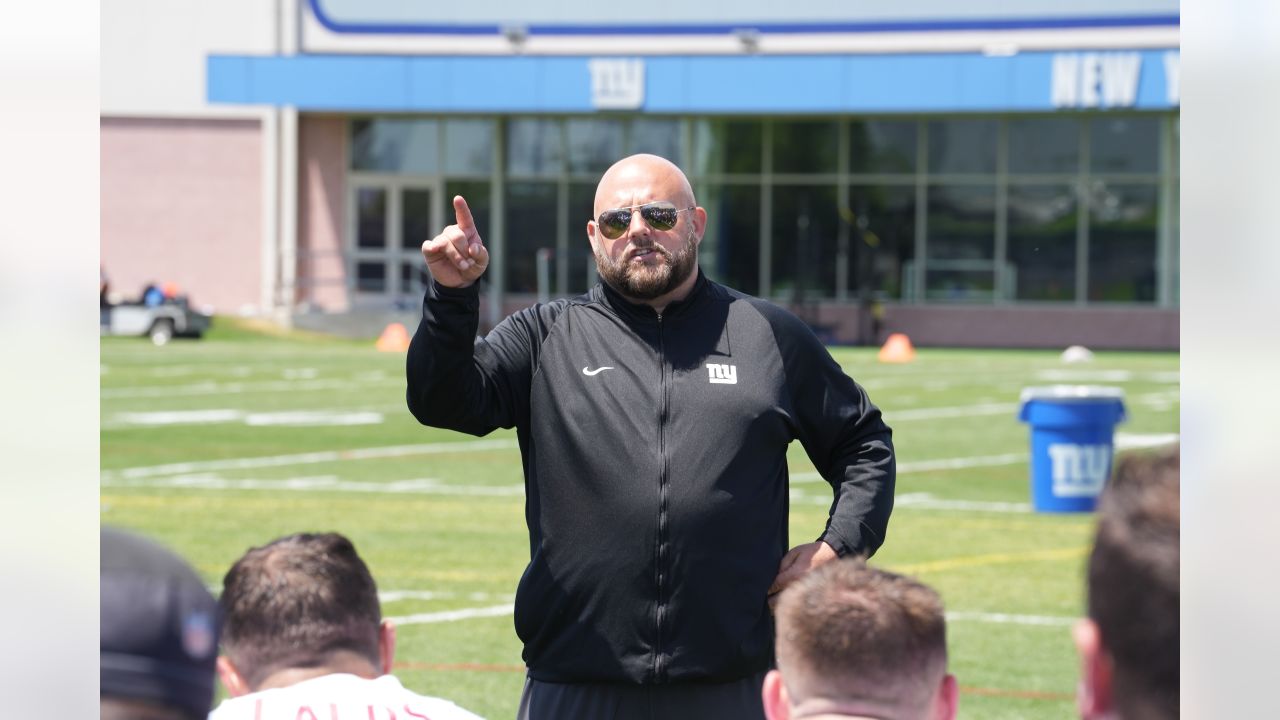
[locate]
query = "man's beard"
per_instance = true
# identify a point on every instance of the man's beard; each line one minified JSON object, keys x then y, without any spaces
{"x":640,"y":281}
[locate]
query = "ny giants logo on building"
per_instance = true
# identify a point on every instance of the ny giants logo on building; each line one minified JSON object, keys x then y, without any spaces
{"x":1079,"y":470}
{"x":617,"y":84}
{"x":722,"y":374}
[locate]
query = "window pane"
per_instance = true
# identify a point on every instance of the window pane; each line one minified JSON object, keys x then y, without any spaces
{"x":1044,"y":145}
{"x":960,"y":243}
{"x":415,"y":224}
{"x":409,"y":147}
{"x":582,"y":197}
{"x":468,"y":147}
{"x":371,"y":277}
{"x":594,"y":145}
{"x":804,"y":242}
{"x":371,"y":214}
{"x":1122,"y":243}
{"x":413,"y":278}
{"x":1124,"y":144}
{"x":531,"y":225}
{"x":883,"y":238}
{"x":962,"y":146}
{"x":727,"y":146}
{"x":882,"y":146}
{"x":534,"y":147}
{"x":730,"y":249}
{"x":805,"y":146}
{"x":1042,"y":241}
{"x":660,"y":137}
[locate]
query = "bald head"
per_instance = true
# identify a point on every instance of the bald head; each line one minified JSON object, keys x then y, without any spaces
{"x":637,"y":174}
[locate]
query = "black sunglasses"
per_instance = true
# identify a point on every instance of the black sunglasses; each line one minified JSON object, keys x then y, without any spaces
{"x":661,"y":215}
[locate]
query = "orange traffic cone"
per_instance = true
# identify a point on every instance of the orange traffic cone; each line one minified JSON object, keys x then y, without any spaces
{"x":394,"y":338}
{"x":897,"y":349}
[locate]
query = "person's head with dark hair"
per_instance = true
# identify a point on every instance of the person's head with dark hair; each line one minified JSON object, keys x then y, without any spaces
{"x":856,"y":641}
{"x":299,"y":607}
{"x":1129,"y":642}
{"x":159,"y":632}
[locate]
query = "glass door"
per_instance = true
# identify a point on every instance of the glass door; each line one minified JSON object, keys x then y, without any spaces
{"x":391,"y":218}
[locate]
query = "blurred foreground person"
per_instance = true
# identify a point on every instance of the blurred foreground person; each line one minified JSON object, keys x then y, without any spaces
{"x":305,"y":639}
{"x":159,"y":635}
{"x":858,"y":642}
{"x":1129,"y":642}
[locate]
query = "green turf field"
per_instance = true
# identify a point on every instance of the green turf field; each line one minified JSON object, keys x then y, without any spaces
{"x":215,"y":445}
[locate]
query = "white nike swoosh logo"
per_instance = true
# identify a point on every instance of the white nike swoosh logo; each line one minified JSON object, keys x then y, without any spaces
{"x":597,"y":371}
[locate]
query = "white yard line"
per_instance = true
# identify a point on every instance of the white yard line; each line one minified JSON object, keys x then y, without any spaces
{"x":237,"y":388}
{"x":1007,"y":619}
{"x":920,"y":466}
{"x":388,"y":596}
{"x":507,"y":609}
{"x":454,"y":615}
{"x":309,"y":458}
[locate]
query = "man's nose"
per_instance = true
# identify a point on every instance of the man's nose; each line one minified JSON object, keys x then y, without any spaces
{"x":639,"y":228}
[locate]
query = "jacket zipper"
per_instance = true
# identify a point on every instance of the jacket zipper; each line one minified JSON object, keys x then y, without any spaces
{"x":659,"y":666}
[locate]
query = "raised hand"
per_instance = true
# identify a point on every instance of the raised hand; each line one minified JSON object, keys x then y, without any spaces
{"x":457,"y":256}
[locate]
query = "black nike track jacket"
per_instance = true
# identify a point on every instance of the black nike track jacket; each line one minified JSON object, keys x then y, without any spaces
{"x":655,"y":468}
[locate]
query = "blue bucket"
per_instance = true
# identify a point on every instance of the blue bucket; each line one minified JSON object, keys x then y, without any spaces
{"x":1072,"y":443}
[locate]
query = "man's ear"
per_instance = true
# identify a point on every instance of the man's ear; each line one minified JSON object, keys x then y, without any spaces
{"x":1093,"y":694}
{"x":591,"y":235}
{"x":777,"y":704}
{"x":948,"y":702}
{"x":387,"y":645}
{"x":699,"y":224}
{"x":231,"y":678}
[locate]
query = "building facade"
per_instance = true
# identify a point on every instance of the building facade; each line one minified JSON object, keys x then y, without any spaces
{"x":972,"y":180}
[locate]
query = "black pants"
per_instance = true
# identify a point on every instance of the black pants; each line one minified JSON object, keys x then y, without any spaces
{"x":737,"y":700}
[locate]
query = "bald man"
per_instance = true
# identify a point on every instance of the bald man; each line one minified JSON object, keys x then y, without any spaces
{"x":654,"y":414}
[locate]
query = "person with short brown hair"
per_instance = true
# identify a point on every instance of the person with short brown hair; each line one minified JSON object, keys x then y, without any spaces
{"x":304,"y":637}
{"x":859,"y":642}
{"x":1129,"y":642}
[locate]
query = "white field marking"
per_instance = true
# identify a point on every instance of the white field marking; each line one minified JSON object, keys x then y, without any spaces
{"x":296,"y":418}
{"x":301,"y":373}
{"x":922,"y":501}
{"x":1128,"y":441}
{"x":310,"y":458}
{"x":172,"y":371}
{"x":329,"y":483}
{"x":1160,"y":399}
{"x":313,"y":418}
{"x":1060,"y":375}
{"x":177,"y":417}
{"x":389,"y":596}
{"x":507,"y":609}
{"x":893,"y":416}
{"x":454,"y":615}
{"x":907,"y":468}
{"x":237,"y":388}
{"x":1007,"y":619}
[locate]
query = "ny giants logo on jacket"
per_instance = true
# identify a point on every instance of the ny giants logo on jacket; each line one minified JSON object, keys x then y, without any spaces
{"x":722,"y":374}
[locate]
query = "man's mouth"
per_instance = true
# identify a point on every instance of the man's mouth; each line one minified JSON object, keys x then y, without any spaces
{"x":641,"y":253}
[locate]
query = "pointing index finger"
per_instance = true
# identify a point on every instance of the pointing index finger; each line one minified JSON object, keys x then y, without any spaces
{"x":463,"y":213}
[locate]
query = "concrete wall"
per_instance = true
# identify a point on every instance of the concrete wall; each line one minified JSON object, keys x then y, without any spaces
{"x":322,"y":212}
{"x":182,"y":202}
{"x":154,"y":52}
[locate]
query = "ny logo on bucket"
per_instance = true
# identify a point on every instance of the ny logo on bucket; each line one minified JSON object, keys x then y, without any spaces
{"x":722,"y":374}
{"x":1079,"y":470}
